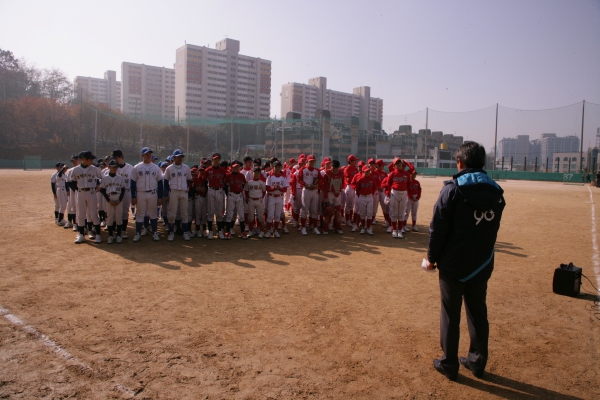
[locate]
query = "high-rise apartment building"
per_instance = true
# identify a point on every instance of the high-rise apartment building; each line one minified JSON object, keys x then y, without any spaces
{"x":516,"y":148}
{"x":98,"y":90}
{"x":148,"y":91}
{"x":220,"y":82}
{"x":306,"y":99}
{"x":550,"y":144}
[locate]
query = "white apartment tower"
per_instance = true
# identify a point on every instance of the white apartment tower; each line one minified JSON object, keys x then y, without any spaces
{"x":220,"y":82}
{"x":307,"y":99}
{"x":98,"y":90}
{"x":148,"y":91}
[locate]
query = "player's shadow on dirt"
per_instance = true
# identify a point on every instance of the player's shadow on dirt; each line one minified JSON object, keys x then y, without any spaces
{"x":510,"y":389}
{"x":508,"y":248}
{"x":312,"y":250}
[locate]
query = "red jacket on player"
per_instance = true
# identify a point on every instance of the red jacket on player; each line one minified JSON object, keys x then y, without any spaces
{"x":333,"y":183}
{"x":349,"y":172}
{"x":215,"y":177}
{"x":235,"y":182}
{"x":414,"y":190}
{"x":398,"y":180}
{"x":366,"y":185}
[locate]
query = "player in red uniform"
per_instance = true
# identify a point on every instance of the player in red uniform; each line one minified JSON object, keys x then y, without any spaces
{"x":234,"y":188}
{"x":379,"y":197}
{"x":414,"y":195}
{"x":349,"y":173}
{"x":365,"y":187}
{"x":308,"y":179}
{"x":397,"y":184}
{"x":215,"y":175}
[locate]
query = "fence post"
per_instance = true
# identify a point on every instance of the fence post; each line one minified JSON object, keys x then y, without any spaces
{"x":547,"y":164}
{"x":502,"y":163}
{"x":535,"y":167}
{"x":525,"y":165}
{"x":511,"y":163}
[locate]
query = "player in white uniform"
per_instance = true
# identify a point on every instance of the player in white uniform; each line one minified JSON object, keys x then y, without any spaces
{"x":58,"y":167}
{"x":100,"y":198}
{"x":126,"y":171}
{"x":255,"y":190}
{"x":61,"y":194}
{"x":71,"y":196}
{"x":84,"y":180}
{"x":146,"y":193}
{"x":178,"y":177}
{"x":112,"y":189}
{"x":308,"y":178}
{"x":277,"y":185}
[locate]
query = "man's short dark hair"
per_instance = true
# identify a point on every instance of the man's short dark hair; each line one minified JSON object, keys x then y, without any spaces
{"x":335,"y":164}
{"x":472,"y":154}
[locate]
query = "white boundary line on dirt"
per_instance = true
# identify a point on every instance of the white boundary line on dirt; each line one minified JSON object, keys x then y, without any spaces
{"x":595,"y":257}
{"x":46,"y":341}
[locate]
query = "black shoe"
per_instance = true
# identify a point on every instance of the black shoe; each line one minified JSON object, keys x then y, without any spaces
{"x":465,"y":363}
{"x":437,"y":364}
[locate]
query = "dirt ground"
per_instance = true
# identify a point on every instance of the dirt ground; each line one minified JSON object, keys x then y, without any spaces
{"x":331,"y":317}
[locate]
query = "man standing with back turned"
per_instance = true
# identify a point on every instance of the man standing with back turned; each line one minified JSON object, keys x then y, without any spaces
{"x":462,"y":235}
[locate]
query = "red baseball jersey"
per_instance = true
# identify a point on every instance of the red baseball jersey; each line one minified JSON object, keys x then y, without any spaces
{"x":349,"y":173}
{"x":308,"y":176}
{"x":398,"y":180}
{"x":366,"y":185}
{"x":414,"y":189}
{"x":235,"y":181}
{"x":334,"y":182}
{"x":215,"y":177}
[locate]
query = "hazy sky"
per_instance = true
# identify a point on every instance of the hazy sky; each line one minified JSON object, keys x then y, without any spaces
{"x":445,"y":55}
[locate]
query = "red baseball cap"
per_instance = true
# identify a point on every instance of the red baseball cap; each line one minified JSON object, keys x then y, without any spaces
{"x":326,"y":160}
{"x":379,"y":162}
{"x":371,"y":160}
{"x":311,"y":157}
{"x":396,"y":160}
{"x":292,"y":161}
{"x":366,"y":168}
{"x":361,"y":163}
{"x":352,"y":158}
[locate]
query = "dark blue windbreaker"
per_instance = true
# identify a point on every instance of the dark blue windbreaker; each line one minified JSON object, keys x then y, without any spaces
{"x":465,"y":223}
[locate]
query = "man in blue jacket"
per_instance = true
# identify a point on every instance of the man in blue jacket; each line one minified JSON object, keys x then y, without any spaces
{"x":462,"y":235}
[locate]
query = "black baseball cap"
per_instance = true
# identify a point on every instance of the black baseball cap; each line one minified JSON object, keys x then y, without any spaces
{"x":74,"y":157}
{"x":216,"y":155}
{"x":113,"y":163}
{"x":257,"y":170}
{"x":87,"y":155}
{"x":116,"y":153}
{"x":247,"y":158}
{"x":59,"y":164}
{"x":236,"y":162}
{"x":276,"y":163}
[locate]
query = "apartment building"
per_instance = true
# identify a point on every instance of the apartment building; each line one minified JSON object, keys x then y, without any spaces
{"x":306,"y":99}
{"x":221,"y":82}
{"x":148,"y":91}
{"x":105,"y":90}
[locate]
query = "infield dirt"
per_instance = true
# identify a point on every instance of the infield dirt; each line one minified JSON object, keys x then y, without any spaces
{"x":338,"y":316}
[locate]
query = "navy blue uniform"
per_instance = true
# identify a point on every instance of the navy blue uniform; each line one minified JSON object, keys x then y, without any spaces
{"x":463,"y":232}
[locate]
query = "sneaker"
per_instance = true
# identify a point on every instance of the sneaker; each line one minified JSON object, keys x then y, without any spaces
{"x":363,"y":231}
{"x":250,"y":234}
{"x":119,"y":239}
{"x":103,"y":224}
{"x":395,"y":234}
{"x":261,"y":235}
{"x":92,"y":234}
{"x":400,"y":235}
{"x":374,"y":222}
{"x":204,"y":234}
{"x":80,"y":238}
{"x":386,"y":224}
{"x":186,"y":236}
{"x":348,"y":223}
{"x":339,"y":231}
{"x":74,"y":227}
{"x":389,"y":229}
{"x":171,"y":237}
{"x":294,"y":224}
{"x":369,"y":231}
{"x":267,"y":235}
{"x":232,"y":232}
{"x":221,"y":236}
{"x":137,"y":237}
{"x":303,"y":231}
{"x":405,"y":229}
{"x":209,"y":235}
{"x":316,"y":231}
{"x":62,"y":222}
{"x":68,"y":225}
{"x":276,"y":234}
{"x":110,"y":240}
{"x":325,"y":232}
{"x":246,"y":228}
{"x":144,"y":232}
{"x":56,"y":221}
{"x":299,"y":228}
{"x":415,"y":229}
{"x":227,"y":235}
{"x":155,"y":237}
{"x":257,"y":231}
{"x":124,"y":235}
{"x":98,"y":239}
{"x":354,"y":228}
{"x":285,"y":230}
{"x":244,"y":235}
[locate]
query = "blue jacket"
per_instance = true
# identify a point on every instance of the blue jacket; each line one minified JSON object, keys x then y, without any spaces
{"x":464,"y":227}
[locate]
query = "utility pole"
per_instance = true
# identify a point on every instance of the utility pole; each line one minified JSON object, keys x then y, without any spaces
{"x":231,"y":129}
{"x":496,"y":138}
{"x":187,"y":147}
{"x":426,"y":128}
{"x":96,"y":131}
{"x":581,"y":141}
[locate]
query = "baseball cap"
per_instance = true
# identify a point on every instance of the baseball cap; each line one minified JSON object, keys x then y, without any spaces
{"x":216,"y":155}
{"x":311,"y":157}
{"x":352,"y":158}
{"x":379,"y":162}
{"x":326,"y":160}
{"x":366,"y":168}
{"x":87,"y":155}
{"x":236,"y":162}
{"x":257,"y":169}
{"x":74,"y":157}
{"x":201,"y":167}
{"x":169,"y":158}
{"x":361,"y":164}
{"x":163,"y":164}
{"x":116,"y":153}
{"x":178,"y":153}
{"x":113,"y":163}
{"x":277,"y":164}
{"x":154,"y":158}
{"x":371,"y":160}
{"x":194,"y":170}
{"x":292,"y":161}
{"x":302,"y":155}
{"x":58,"y":165}
{"x":247,"y":158}
{"x":146,"y":150}
{"x":396,"y":160}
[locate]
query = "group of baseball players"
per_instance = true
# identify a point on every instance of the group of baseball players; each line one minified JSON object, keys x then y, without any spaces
{"x":99,"y":193}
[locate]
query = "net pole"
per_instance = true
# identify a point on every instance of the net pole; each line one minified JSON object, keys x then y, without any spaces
{"x":426,"y":128}
{"x":282,"y":132}
{"x":95,"y":131}
{"x":581,"y":141}
{"x":231,"y":130}
{"x":187,"y":145}
{"x":496,"y":138}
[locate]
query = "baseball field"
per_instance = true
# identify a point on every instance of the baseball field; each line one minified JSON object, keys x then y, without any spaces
{"x":333,"y":317}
